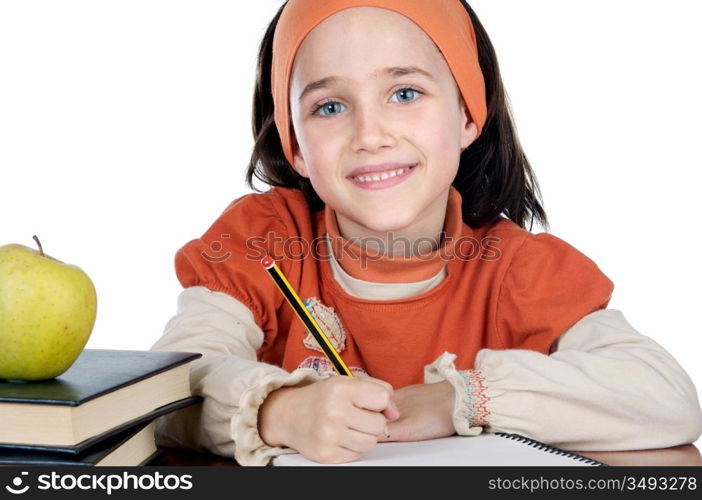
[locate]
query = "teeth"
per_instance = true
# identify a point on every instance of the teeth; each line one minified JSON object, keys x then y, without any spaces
{"x":380,"y":177}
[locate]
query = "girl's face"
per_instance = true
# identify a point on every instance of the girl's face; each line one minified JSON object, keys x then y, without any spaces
{"x":369,"y":89}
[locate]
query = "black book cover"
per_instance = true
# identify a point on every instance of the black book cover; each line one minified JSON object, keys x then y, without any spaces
{"x":95,"y":373}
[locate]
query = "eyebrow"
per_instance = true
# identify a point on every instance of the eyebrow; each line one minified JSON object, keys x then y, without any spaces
{"x":394,"y":71}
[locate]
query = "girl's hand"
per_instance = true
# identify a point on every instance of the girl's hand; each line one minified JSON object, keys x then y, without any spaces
{"x":331,"y":421}
{"x":426,"y":412}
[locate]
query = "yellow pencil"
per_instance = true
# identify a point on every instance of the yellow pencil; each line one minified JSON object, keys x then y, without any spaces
{"x":304,"y":314}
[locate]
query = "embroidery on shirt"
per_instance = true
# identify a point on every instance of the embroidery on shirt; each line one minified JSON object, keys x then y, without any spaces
{"x":322,"y":365}
{"x":477,"y":403}
{"x":330,"y":324}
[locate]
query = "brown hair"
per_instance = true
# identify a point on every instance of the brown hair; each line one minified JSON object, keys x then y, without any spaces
{"x":494,"y":176}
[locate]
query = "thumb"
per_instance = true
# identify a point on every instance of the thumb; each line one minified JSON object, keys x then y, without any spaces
{"x":391,"y":412}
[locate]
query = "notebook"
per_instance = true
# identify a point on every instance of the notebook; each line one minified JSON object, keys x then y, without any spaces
{"x":497,"y":449}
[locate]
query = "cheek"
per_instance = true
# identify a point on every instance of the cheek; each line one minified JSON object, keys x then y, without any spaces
{"x":317,"y":140}
{"x":436,"y":133}
{"x":317,"y":149}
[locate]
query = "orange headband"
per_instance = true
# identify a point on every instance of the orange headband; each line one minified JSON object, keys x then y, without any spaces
{"x":446,"y":22}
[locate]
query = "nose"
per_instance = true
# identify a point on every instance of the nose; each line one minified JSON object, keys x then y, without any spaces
{"x":372,"y":130}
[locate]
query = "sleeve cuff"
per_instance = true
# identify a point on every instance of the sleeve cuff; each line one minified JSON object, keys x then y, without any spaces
{"x":471,"y":412}
{"x":250,"y":448}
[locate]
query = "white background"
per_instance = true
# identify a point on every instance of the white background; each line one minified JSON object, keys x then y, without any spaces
{"x":125,"y":131}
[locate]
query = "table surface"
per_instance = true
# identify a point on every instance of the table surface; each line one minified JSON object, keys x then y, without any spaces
{"x":687,"y":455}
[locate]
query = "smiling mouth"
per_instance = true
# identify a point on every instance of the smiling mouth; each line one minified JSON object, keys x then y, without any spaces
{"x":382,"y":180}
{"x":381,"y":176}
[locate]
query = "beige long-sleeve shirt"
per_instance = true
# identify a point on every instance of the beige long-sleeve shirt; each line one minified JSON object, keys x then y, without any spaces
{"x":604,"y":387}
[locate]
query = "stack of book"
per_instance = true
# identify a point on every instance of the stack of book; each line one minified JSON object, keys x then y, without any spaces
{"x":101,"y":411}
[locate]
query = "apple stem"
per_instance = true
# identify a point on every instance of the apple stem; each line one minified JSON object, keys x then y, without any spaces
{"x":41,"y":250}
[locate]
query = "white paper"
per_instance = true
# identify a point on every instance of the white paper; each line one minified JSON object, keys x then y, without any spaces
{"x":483,"y":449}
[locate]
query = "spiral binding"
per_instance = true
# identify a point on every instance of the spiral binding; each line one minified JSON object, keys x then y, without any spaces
{"x":549,"y":449}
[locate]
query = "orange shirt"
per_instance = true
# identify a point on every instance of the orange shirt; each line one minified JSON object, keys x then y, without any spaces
{"x":505,"y":288}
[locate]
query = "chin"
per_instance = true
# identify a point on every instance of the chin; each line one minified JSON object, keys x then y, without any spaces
{"x":387,"y":224}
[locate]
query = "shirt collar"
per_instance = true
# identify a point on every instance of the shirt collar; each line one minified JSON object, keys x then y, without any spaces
{"x":370,"y":265}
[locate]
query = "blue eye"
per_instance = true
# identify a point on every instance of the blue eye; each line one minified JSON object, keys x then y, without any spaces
{"x":408,"y":94}
{"x":331,"y":108}
{"x":327,"y":106}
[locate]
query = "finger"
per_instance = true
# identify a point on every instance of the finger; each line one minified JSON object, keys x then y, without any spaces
{"x":358,"y":442}
{"x":366,"y":421}
{"x":391,"y":412}
{"x":371,"y":396}
{"x":383,"y":383}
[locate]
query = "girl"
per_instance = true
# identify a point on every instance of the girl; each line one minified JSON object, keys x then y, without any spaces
{"x":399,"y":211}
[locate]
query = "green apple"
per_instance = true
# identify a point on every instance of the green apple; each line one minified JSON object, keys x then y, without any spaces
{"x":47,"y":313}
